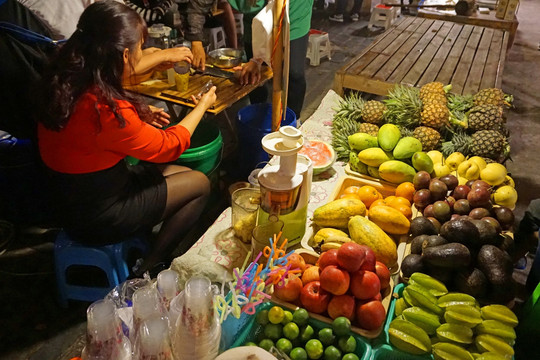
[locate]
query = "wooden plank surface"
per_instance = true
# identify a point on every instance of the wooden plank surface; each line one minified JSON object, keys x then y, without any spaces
{"x":465,"y":62}
{"x":472,"y":84}
{"x":228,"y":91}
{"x":492,"y":62}
{"x":449,"y":66}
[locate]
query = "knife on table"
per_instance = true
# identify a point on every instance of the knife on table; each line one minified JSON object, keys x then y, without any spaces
{"x":217,"y":72}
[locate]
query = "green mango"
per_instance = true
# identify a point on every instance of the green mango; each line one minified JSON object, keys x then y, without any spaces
{"x":406,"y":147}
{"x":422,"y":162}
{"x":362,"y":141}
{"x":396,"y":171}
{"x":356,"y":164}
{"x":373,"y":156}
{"x":388,"y":137}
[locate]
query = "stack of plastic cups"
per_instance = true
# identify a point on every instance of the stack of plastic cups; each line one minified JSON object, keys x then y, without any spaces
{"x":154,"y":340}
{"x":167,"y":286}
{"x":104,"y":337}
{"x":197,"y":322}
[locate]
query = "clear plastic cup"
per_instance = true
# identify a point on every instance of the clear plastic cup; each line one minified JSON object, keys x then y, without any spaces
{"x":167,"y":286}
{"x":182,"y":81}
{"x":245,"y":203}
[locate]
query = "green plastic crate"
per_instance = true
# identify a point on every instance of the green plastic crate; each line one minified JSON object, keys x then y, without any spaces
{"x":388,"y":352}
{"x":383,"y":338}
{"x":252,"y":329}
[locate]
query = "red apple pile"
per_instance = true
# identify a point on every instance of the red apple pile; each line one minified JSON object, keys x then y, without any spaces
{"x":345,"y":282}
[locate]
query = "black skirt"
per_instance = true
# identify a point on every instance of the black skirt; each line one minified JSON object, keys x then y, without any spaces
{"x":105,"y":207}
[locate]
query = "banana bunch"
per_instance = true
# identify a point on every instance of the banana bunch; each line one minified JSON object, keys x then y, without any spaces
{"x":329,"y":238}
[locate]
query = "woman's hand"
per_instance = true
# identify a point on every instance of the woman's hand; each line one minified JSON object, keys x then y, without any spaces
{"x":206,"y":100}
{"x":199,"y":56}
{"x":159,"y":117}
{"x":250,"y":73}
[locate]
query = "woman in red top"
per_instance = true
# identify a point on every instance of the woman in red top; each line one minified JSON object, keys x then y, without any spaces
{"x":89,"y":124}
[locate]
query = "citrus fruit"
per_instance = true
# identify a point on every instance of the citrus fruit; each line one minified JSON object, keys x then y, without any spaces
{"x":314,"y":349}
{"x":276,"y":315}
{"x":350,"y":357}
{"x":347,"y":344}
{"x":405,"y":210}
{"x":406,"y":190}
{"x":250,"y":343}
{"x":398,"y":200}
{"x":306,"y":333}
{"x":341,"y":326}
{"x":262,"y":317}
{"x":353,"y":189}
{"x":378,"y":202}
{"x":332,"y":353}
{"x":291,"y":331}
{"x":300,"y":316}
{"x":350,"y":196}
{"x":287,"y":318}
{"x":326,"y":336}
{"x":368,"y":194}
{"x":284,"y":345}
{"x":266,"y":344}
{"x":273,"y":331}
{"x":298,"y":354}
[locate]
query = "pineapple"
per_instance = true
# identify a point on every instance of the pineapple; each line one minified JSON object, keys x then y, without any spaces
{"x":434,"y":97}
{"x":488,"y":143}
{"x":367,"y":128}
{"x":432,"y":88}
{"x":403,"y":106}
{"x":430,"y":138}
{"x":485,"y":117}
{"x":492,"y":96}
{"x":350,"y":107}
{"x":435,"y":115}
{"x":373,"y":112}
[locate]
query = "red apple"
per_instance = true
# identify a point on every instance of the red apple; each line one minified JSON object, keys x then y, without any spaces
{"x":296,"y":261}
{"x":370,"y":315}
{"x":314,"y":298}
{"x":328,"y":258}
{"x":291,"y":290}
{"x":369,"y":260}
{"x":311,"y":274}
{"x":341,"y":305}
{"x":350,"y":256}
{"x":383,"y":273}
{"x":335,"y":280}
{"x":365,"y":284}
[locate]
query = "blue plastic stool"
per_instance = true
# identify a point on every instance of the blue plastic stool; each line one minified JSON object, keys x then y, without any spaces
{"x":111,"y":259}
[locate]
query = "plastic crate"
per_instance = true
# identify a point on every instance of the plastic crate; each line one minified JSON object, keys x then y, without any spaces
{"x":387,"y":352}
{"x":252,"y":330}
{"x":383,"y":338}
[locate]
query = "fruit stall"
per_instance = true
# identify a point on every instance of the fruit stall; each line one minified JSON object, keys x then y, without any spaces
{"x":397,"y":244}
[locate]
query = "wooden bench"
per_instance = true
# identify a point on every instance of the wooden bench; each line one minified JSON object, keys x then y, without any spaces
{"x":417,"y":51}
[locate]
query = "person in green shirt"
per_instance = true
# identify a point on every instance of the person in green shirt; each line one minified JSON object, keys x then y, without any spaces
{"x":300,"y":23}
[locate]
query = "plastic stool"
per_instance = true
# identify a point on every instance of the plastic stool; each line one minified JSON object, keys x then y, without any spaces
{"x":318,"y":46}
{"x":111,"y":259}
{"x":239,"y":21}
{"x":383,"y":16}
{"x":217,"y":37}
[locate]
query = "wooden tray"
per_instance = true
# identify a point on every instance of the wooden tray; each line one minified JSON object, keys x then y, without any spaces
{"x":351,"y":172}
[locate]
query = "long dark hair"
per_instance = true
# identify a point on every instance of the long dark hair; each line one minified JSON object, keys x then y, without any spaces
{"x":92,"y":59}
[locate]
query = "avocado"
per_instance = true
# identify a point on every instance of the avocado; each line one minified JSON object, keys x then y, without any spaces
{"x":507,"y":244}
{"x":502,"y":293}
{"x":422,"y":226}
{"x":412,"y":263}
{"x":495,"y":263}
{"x":488,"y":233}
{"x":461,"y":231}
{"x":472,"y":282}
{"x":434,"y":240}
{"x":444,"y":275}
{"x":452,"y":255}
{"x":416,"y":244}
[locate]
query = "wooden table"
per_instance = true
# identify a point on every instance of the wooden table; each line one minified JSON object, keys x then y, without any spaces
{"x":228,"y":91}
{"x":418,"y":50}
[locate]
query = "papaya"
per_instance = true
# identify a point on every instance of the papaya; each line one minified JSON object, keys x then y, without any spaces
{"x":325,"y":233}
{"x":406,"y":147}
{"x":396,"y":171}
{"x":373,"y":156}
{"x":388,"y":137}
{"x":365,"y":232}
{"x":336,"y":213}
{"x":390,"y":220}
{"x":362,"y":141}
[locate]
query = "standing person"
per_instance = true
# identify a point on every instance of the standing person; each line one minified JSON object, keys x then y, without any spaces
{"x":88,"y":124}
{"x":300,"y":12}
{"x":340,"y":10}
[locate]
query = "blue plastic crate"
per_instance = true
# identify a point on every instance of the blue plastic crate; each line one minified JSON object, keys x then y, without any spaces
{"x":251,"y":330}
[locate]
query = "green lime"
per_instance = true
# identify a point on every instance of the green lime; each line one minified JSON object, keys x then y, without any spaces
{"x":298,"y":354}
{"x":250,"y":343}
{"x":262,"y":317}
{"x":341,"y":326}
{"x":347,"y":344}
{"x":326,"y":336}
{"x":266,"y":344}
{"x":332,"y":353}
{"x":314,"y":349}
{"x":301,"y":317}
{"x":291,"y":331}
{"x":284,"y":345}
{"x":273,"y":331}
{"x":306,"y":333}
{"x":276,"y":315}
{"x":350,"y":357}
{"x":288,"y":317}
